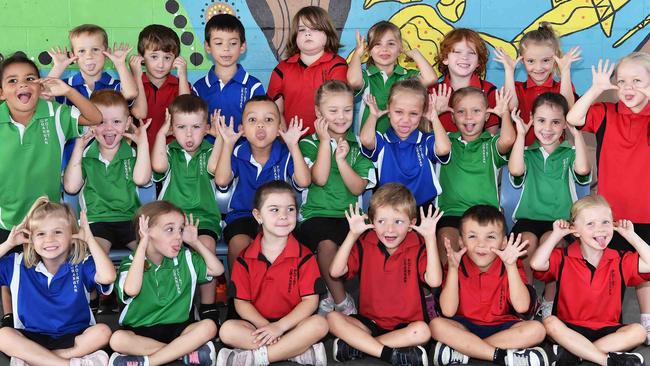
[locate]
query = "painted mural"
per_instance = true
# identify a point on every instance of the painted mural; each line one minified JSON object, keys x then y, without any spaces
{"x":602,"y":28}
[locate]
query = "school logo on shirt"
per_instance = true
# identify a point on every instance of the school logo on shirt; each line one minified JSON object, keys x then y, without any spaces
{"x":420,"y":154}
{"x":128,"y":173}
{"x":242,"y":97}
{"x":293,"y":279}
{"x":176,"y":272}
{"x":276,"y":173}
{"x":353,"y":154}
{"x":502,"y":298}
{"x":565,"y":167}
{"x":611,"y":282}
{"x":407,"y":264}
{"x":74,"y":269}
{"x":202,"y":164}
{"x":45,"y":129}
{"x":485,"y":153}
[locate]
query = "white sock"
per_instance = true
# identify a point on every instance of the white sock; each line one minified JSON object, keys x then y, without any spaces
{"x":261,"y":356}
{"x":645,"y":320}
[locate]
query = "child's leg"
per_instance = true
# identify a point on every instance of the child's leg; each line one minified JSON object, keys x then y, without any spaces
{"x":573,"y":341}
{"x":524,"y":334}
{"x":624,"y":339}
{"x":326,"y":251}
{"x":643,"y":296}
{"x":238,"y":243}
{"x":532,"y":246}
{"x":208,"y":290}
{"x":450,"y":233}
{"x":455,"y":335}
{"x":91,"y":340}
{"x":14,"y":344}
{"x":105,"y":244}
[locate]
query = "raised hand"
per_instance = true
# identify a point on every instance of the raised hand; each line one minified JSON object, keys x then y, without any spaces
{"x":504,"y":59}
{"x":267,"y":334}
{"x":439,"y":99}
{"x":453,"y":257}
{"x":562,"y":228}
{"x":361,"y":45}
{"x":357,"y":220}
{"x":118,"y":53}
{"x":166,"y":127}
{"x":601,"y":76}
{"x":521,"y":126}
{"x":135,"y":63}
{"x":293,"y":133}
{"x":53,"y":87}
{"x":191,"y":231}
{"x":412,"y":53}
{"x":371,"y":102}
{"x":513,"y":250}
{"x":139,"y":135}
{"x":321,"y":126}
{"x":503,"y":97}
{"x":62,"y":57}
{"x":18,"y":235}
{"x":428,"y":222}
{"x":84,"y":228}
{"x":227,"y":132}
{"x":564,"y":62}
{"x":215,"y":119}
{"x":624,"y":227}
{"x":180,"y":65}
{"x":342,"y":149}
{"x":143,"y":230}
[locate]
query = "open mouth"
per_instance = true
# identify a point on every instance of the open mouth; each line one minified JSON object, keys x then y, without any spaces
{"x":601,"y":240}
{"x":50,"y":248}
{"x":189,"y":144}
{"x":90,"y":67}
{"x":470,"y":127}
{"x":390,"y":238}
{"x":260,"y":135}
{"x":110,"y":138}
{"x":24,"y":97}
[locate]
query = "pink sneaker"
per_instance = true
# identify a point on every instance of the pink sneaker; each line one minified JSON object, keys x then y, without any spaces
{"x":98,"y":358}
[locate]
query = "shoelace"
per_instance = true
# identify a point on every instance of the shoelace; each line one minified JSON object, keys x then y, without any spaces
{"x":518,"y":359}
{"x":456,"y":357}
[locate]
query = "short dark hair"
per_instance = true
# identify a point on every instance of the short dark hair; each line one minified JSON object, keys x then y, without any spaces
{"x":17,"y":58}
{"x":484,"y":214}
{"x":554,"y":100}
{"x":188,"y":103}
{"x":225,"y":22}
{"x":158,"y":37}
{"x":275,"y":186}
{"x":261,"y":98}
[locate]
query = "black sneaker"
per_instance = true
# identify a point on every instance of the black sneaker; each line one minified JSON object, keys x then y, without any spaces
{"x":444,"y":355}
{"x":624,"y":359}
{"x":342,"y":351}
{"x":8,"y":321}
{"x":526,"y":357}
{"x":409,"y":356}
{"x":562,"y":357}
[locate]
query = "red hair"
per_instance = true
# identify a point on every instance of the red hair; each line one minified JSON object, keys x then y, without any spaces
{"x":471,"y":37}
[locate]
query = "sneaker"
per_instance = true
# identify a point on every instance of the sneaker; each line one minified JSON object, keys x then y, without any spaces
{"x":624,"y":359}
{"x":342,"y":351}
{"x":8,"y":320}
{"x":15,"y":361}
{"x":315,"y":355}
{"x":203,"y":356}
{"x":326,"y":305}
{"x":445,"y":355}
{"x":562,"y":357}
{"x":118,"y":359}
{"x":235,"y":357}
{"x":346,"y":307}
{"x":646,"y":325}
{"x":527,"y":357}
{"x":98,"y":358}
{"x":409,"y":356}
{"x":545,"y":309}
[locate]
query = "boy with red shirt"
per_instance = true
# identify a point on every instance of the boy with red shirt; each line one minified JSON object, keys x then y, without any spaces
{"x":393,"y":262}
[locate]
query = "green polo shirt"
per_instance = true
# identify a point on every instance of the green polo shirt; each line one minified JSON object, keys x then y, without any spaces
{"x":377,"y":83}
{"x":470,"y":176}
{"x":167,"y":290}
{"x":332,"y":199}
{"x":109,"y":193}
{"x":548,"y":183}
{"x":30,"y":157}
{"x":189,"y":185}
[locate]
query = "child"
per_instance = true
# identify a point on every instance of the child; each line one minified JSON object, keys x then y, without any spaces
{"x":462,"y":61}
{"x":227,"y":86}
{"x":404,"y":154}
{"x":483,"y":292}
{"x":312,"y":59}
{"x":476,"y":156}
{"x":591,"y":279}
{"x":43,"y":126}
{"x":547,"y":170}
{"x":393,"y":262}
{"x":382,"y":69}
{"x":159,"y":49}
{"x":339,"y":171}
{"x":542,"y":55}
{"x":50,"y":281}
{"x":623,"y":151}
{"x":259,"y":158}
{"x":182,"y":166}
{"x":277,"y":321}
{"x":156,"y":284}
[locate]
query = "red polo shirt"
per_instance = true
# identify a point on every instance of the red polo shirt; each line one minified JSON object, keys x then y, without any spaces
{"x":587,"y":296}
{"x":158,"y":99}
{"x":484,"y":297}
{"x":389,"y":285}
{"x":276,"y":288}
{"x":297,"y":83}
{"x":623,"y":157}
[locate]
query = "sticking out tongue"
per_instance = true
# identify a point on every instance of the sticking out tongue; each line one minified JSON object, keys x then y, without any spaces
{"x":110,"y":139}
{"x":470,"y":127}
{"x":24,"y":97}
{"x":601,"y":240}
{"x":260,"y":134}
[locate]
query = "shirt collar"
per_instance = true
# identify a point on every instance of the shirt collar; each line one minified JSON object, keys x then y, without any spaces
{"x":174,"y":145}
{"x":124,"y":151}
{"x":623,"y":109}
{"x":170,"y":80}
{"x":470,"y":269}
{"x":574,"y":251}
{"x":42,"y":111}
{"x":474,"y":81}
{"x":563,"y":145}
{"x":410,"y":240}
{"x":243,"y":152}
{"x":485,"y":135}
{"x":414,"y":138}
{"x":291,"y":249}
{"x":105,"y":80}
{"x":241,"y":76}
{"x":372,"y":69}
{"x":326,"y":57}
{"x":549,"y":83}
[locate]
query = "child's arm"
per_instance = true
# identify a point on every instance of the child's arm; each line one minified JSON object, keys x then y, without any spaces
{"x":600,"y":83}
{"x":509,"y":66}
{"x":181,"y":70}
{"x":17,"y":236}
{"x":516,"y":164}
{"x":215,"y":154}
{"x":191,"y":237}
{"x":540,"y":260}
{"x":626,"y":229}
{"x":247,"y":311}
{"x":358,"y":226}
{"x":223,"y":174}
{"x":581,"y":165}
{"x":117,"y":55}
{"x":291,"y":137}
{"x":355,"y":73}
{"x":133,"y":281}
{"x":355,"y":184}
{"x":62,"y":58}
{"x":142,"y":168}
{"x":367,"y":134}
{"x":442,"y":144}
{"x":320,"y":170}
{"x":73,"y":176}
{"x":564,"y":65}
{"x":519,"y":295}
{"x":104,"y":269}
{"x":269,"y":333}
{"x":508,"y":133}
{"x":428,"y":76}
{"x":159,"y":161}
{"x":90,"y":115}
{"x":427,"y":228}
{"x":139,"y":109}
{"x":449,"y":296}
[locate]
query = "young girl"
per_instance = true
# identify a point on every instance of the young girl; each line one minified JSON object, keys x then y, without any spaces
{"x":547,"y":171}
{"x":312,"y":59}
{"x":276,"y":283}
{"x":50,"y":284}
{"x":156,"y":284}
{"x":586,"y":320}
{"x":382,"y":69}
{"x":338,"y":170}
{"x":404,"y":154}
{"x":623,"y":148}
{"x":542,"y":55}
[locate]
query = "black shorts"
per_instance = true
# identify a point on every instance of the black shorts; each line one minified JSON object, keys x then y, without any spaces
{"x":49,"y":342}
{"x":537,"y":227}
{"x":594,"y":334}
{"x":245,"y":225}
{"x":376,"y":330}
{"x":484,"y":331}
{"x":209,"y":233}
{"x":618,"y":243}
{"x":449,"y":221}
{"x":118,"y":233}
{"x":164,"y":333}
{"x":4,"y":235}
{"x":313,"y":231}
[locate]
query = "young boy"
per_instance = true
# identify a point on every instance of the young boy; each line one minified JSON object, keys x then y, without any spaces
{"x":159,"y":49}
{"x":182,"y":166}
{"x":259,"y":158}
{"x":33,"y":132}
{"x":482,"y":294}
{"x":392,"y":263}
{"x":227,"y":86}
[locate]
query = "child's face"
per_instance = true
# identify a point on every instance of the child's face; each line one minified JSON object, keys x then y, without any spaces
{"x":548,"y":124}
{"x":338,"y":111}
{"x":115,"y":120}
{"x":538,"y":61}
{"x":391,"y":226}
{"x":278,"y":213}
{"x":166,"y":234}
{"x":480,"y":240}
{"x":385,"y":52}
{"x":630,"y":77}
{"x":594,"y":227}
{"x":405,"y":112}
{"x":52,"y":238}
{"x":189,"y":129}
{"x":310,"y":41}
{"x":89,"y":48}
{"x":19,"y":88}
{"x":158,"y":63}
{"x":462,"y":60}
{"x":470,"y":114}
{"x":261,"y":123}
{"x":225,"y":47}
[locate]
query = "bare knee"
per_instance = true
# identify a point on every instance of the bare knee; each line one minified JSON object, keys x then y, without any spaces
{"x":419,"y":332}
{"x":119,"y":340}
{"x":435,"y":326}
{"x":638,"y":332}
{"x":552,"y":325}
{"x":208,"y":242}
{"x":318,"y":325}
{"x":535,"y":331}
{"x":101,"y":332}
{"x":208,"y":328}
{"x":227,"y":330}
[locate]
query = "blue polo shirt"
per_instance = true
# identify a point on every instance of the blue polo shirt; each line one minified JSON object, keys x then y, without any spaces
{"x":249,"y":175}
{"x":229,"y":97}
{"x":410,"y":162}
{"x":52,"y":304}
{"x":77,"y":82}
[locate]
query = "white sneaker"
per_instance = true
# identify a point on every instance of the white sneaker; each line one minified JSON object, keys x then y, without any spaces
{"x":444,"y":355}
{"x":526,"y":357}
{"x":235,"y":357}
{"x":646,"y":325}
{"x":314,"y":355}
{"x":346,"y":307}
{"x":15,"y":361}
{"x":98,"y":358}
{"x":326,"y":305}
{"x":545,"y":309}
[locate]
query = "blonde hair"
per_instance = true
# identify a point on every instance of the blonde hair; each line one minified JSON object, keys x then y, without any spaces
{"x":90,"y":29}
{"x":544,"y":35}
{"x":377,"y":31}
{"x":43,"y":209}
{"x":640,"y":58}
{"x":395,"y":196}
{"x":415,"y":87}
{"x":586,"y":202}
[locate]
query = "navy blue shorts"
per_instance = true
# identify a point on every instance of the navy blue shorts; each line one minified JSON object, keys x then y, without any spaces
{"x":484,"y":331}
